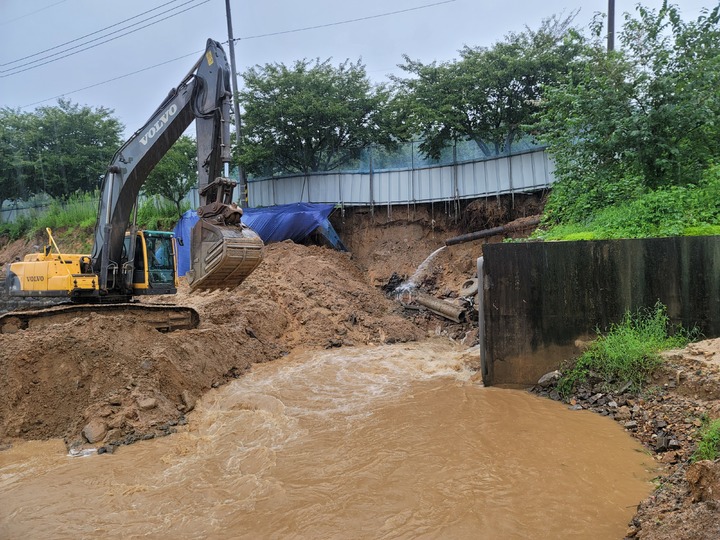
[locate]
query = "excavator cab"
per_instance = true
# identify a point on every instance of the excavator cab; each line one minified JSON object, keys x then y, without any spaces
{"x":154,"y":262}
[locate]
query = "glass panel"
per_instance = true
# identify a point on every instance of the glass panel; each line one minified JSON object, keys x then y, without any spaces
{"x":160,"y":259}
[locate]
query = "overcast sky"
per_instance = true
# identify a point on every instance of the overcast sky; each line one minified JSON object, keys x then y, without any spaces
{"x":433,"y":32}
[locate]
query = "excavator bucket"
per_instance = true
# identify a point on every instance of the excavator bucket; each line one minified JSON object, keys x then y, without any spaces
{"x":222,"y":255}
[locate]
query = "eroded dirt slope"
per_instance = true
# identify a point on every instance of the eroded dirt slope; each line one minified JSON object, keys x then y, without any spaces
{"x":396,"y":241}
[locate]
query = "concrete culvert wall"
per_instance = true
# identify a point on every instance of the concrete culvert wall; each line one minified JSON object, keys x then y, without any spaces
{"x":544,"y":301}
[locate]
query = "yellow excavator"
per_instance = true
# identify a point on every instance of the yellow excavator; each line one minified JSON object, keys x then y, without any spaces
{"x":127,"y":262}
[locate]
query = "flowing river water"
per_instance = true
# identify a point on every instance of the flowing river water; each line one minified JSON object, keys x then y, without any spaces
{"x":389,"y":442}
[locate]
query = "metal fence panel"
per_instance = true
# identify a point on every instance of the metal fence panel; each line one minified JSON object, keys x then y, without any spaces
{"x":355,"y":189}
{"x":471,"y":179}
{"x":528,"y":171}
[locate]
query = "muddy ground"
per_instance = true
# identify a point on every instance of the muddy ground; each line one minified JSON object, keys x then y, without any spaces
{"x":101,"y":381}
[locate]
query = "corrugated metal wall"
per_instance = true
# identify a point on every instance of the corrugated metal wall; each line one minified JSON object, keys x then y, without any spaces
{"x":521,"y":173}
{"x":525,"y":172}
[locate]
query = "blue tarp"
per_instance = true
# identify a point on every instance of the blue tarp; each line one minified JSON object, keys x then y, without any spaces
{"x":274,"y":224}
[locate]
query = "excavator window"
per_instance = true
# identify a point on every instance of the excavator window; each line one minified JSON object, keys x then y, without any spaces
{"x":161,"y":267}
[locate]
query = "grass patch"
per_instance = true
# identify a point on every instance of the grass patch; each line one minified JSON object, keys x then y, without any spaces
{"x":17,"y":229}
{"x":689,"y":210}
{"x":628,"y":352}
{"x":709,"y":445}
{"x":77,"y":211}
{"x":79,"y":214}
{"x":158,"y":214}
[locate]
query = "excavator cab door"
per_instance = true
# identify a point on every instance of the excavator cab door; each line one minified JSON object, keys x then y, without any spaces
{"x":155,"y":263}
{"x":140,"y":262}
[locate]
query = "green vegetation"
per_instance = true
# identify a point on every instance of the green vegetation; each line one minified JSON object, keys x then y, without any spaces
{"x":310,"y":116}
{"x":709,"y":445}
{"x":159,"y":214}
{"x":79,"y":212}
{"x":687,"y":210}
{"x":16,"y":229}
{"x":60,"y":150}
{"x":628,"y":352}
{"x":634,"y":132}
{"x":175,"y":175}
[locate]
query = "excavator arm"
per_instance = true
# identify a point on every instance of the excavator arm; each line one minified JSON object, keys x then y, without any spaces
{"x":223,"y":251}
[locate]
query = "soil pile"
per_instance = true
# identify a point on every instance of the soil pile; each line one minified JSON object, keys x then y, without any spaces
{"x":106,"y":380}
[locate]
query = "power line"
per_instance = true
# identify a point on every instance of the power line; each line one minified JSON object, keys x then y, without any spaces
{"x":38,"y":63}
{"x":196,"y":53}
{"x":238,"y":39}
{"x":31,"y":13}
{"x":337,"y":23}
{"x":86,"y":35}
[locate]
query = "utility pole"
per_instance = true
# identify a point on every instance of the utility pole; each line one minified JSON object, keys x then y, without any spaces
{"x":236,"y":106}
{"x":611,"y":26}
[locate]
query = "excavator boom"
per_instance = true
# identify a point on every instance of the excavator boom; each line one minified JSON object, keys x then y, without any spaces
{"x":204,"y":96}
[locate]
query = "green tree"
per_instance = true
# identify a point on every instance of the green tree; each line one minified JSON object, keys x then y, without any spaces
{"x":311,"y":116}
{"x":176,"y":173}
{"x":15,"y":160}
{"x":57,"y":150}
{"x":490,"y":94}
{"x":642,"y":118}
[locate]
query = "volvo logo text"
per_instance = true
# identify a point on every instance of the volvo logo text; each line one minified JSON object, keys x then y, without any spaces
{"x":150,"y":133}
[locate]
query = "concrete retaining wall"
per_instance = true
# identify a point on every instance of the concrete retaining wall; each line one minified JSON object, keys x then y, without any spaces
{"x":542,"y":299}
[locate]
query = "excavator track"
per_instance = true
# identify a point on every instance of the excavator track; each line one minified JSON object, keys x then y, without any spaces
{"x":164,"y":318}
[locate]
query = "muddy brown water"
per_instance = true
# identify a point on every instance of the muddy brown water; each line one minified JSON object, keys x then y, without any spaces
{"x":389,"y":442}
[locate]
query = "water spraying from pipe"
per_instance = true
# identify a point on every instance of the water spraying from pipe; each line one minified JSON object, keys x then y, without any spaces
{"x":412,"y":284}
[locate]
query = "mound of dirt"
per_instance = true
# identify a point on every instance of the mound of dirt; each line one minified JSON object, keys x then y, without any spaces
{"x":107,"y":380}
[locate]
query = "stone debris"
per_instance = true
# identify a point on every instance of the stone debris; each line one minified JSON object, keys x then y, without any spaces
{"x":147,"y":403}
{"x":549,"y":379}
{"x":95,"y":431}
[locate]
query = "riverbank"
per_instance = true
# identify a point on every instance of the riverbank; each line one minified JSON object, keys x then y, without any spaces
{"x":666,"y":419}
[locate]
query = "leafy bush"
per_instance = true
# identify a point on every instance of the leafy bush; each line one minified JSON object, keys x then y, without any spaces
{"x":628,"y":352}
{"x":636,"y":121}
{"x":709,"y":445}
{"x":674,"y":211}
